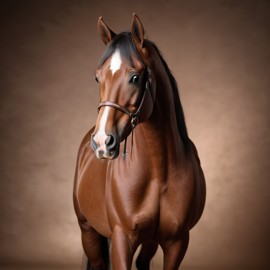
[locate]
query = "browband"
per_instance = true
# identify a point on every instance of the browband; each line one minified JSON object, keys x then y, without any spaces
{"x":134,"y":116}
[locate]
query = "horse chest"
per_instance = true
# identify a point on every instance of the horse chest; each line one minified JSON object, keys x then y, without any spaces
{"x":134,"y":207}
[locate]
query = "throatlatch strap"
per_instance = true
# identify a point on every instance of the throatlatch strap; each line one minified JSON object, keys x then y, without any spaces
{"x":125,"y":143}
{"x":125,"y":148}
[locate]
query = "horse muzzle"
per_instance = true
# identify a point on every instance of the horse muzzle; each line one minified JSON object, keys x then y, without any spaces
{"x":106,"y":146}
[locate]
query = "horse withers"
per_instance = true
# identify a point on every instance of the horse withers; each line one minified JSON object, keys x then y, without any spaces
{"x":138,"y":177}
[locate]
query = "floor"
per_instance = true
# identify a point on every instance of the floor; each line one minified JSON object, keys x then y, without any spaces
{"x":38,"y":267}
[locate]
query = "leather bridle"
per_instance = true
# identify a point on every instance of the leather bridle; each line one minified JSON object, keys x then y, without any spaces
{"x":134,"y":116}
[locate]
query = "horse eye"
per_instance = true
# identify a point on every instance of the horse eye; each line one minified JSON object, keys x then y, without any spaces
{"x":135,"y":79}
{"x":96,"y":78}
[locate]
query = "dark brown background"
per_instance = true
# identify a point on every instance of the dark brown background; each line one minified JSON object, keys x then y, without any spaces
{"x":219,"y":52}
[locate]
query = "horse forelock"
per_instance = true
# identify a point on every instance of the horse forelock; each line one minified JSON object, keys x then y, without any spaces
{"x":124,"y":44}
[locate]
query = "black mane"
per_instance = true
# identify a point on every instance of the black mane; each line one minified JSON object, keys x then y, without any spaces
{"x":179,"y":113}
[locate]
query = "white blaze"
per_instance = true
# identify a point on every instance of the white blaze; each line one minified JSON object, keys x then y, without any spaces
{"x":101,"y":136}
{"x":116,"y":61}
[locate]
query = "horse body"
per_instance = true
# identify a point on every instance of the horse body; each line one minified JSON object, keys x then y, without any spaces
{"x":152,"y":196}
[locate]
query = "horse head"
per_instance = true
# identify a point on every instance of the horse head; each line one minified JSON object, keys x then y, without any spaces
{"x":125,"y":86}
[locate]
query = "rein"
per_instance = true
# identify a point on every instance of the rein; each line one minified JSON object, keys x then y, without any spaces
{"x":134,"y":117}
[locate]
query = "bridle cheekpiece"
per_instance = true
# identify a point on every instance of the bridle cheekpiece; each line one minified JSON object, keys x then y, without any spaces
{"x":134,"y":117}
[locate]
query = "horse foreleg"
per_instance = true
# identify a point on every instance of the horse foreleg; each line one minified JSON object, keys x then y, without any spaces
{"x":96,"y":249}
{"x":85,"y":265}
{"x":147,"y":252}
{"x":175,"y":252}
{"x":122,"y":250}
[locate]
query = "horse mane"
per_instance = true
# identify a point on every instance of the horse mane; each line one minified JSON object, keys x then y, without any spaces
{"x":125,"y":44}
{"x":179,"y":113}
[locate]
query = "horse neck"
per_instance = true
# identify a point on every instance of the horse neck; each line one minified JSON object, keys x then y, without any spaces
{"x":159,"y":134}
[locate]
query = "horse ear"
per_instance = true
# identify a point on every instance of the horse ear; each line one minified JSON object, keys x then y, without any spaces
{"x":137,"y":31}
{"x":105,"y":32}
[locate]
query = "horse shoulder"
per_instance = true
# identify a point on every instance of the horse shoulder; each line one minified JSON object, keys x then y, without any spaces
{"x":89,"y":187}
{"x":176,"y":195}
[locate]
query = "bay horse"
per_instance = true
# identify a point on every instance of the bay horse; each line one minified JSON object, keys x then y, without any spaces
{"x":138,"y":177}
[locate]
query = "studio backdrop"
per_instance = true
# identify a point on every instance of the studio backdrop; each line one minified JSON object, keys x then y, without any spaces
{"x":218,"y":52}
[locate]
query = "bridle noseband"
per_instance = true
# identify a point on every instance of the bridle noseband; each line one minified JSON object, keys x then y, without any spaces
{"x":134,"y":117}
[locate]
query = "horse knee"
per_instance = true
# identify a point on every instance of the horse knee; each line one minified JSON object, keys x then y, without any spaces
{"x":147,"y":252}
{"x":96,"y":249}
{"x":175,"y":252}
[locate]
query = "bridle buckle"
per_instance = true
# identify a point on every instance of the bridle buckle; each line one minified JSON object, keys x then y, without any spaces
{"x":134,"y":121}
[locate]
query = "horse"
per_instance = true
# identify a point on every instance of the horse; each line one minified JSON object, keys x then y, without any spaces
{"x":138,"y":179}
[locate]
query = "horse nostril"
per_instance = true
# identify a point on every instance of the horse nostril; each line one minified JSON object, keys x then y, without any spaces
{"x":110,"y":142}
{"x":93,"y":143}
